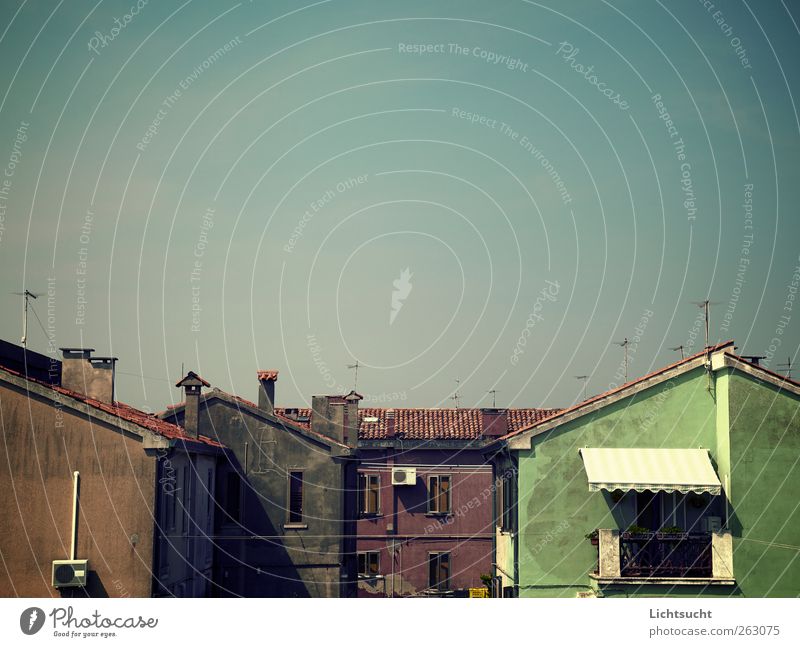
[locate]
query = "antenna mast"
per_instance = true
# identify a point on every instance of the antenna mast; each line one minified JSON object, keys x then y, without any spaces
{"x":624,"y":345}
{"x":585,"y":379}
{"x":680,"y":348}
{"x":26,"y":295}
{"x":456,"y":395}
{"x":355,"y":379}
{"x":788,"y":367}
{"x":494,"y":398}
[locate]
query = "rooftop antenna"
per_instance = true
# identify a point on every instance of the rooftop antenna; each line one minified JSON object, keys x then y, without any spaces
{"x":787,"y":366}
{"x":624,"y":345}
{"x":355,"y":379}
{"x":456,"y":395}
{"x":706,"y":306}
{"x":26,"y":295}
{"x":585,"y":379}
{"x":680,"y":348}
{"x":494,"y":398}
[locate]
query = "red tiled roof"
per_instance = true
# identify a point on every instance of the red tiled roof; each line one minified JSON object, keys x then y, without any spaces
{"x":267,"y":375}
{"x":125,"y":412}
{"x":432,"y":424}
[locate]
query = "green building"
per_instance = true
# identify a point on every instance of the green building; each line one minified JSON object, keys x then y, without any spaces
{"x":685,"y":482}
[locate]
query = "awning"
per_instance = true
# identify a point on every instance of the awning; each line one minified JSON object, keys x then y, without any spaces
{"x":667,"y":470}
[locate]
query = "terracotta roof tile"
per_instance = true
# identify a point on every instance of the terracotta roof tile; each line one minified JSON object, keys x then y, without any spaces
{"x":430,"y":424}
{"x":126,"y":412}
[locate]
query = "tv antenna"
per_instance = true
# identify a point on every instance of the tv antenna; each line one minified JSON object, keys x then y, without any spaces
{"x":787,"y":366}
{"x":456,"y":395}
{"x":754,"y":359}
{"x":680,"y":348}
{"x":706,"y":306}
{"x":355,"y":379}
{"x":624,"y":345}
{"x":494,"y":398}
{"x":585,"y":379}
{"x":26,"y":295}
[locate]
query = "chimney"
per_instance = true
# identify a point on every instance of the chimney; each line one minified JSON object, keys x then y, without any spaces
{"x":192,"y":385}
{"x":351,"y":421}
{"x":494,"y":422}
{"x":266,"y":390}
{"x":92,"y":377}
{"x":327,"y":416}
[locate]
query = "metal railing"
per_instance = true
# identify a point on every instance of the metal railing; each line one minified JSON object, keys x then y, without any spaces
{"x":655,"y":554}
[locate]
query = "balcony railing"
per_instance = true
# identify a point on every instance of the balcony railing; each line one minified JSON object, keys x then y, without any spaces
{"x":656,"y":554}
{"x":684,"y":558}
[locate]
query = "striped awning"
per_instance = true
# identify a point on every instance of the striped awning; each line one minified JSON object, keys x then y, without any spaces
{"x":666,"y":470}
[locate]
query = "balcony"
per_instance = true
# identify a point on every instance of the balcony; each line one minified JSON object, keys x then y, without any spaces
{"x":668,"y":559}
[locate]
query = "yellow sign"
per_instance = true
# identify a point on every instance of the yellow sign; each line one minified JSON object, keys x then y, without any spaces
{"x":479,"y":593}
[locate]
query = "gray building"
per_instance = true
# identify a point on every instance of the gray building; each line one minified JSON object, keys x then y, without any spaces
{"x":284,"y":523}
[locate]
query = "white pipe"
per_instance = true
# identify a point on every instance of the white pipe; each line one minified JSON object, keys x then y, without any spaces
{"x":73,"y":546}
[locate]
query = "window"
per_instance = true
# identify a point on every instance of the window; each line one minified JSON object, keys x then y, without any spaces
{"x":439,"y":494}
{"x":185,"y":500}
{"x":368,"y":563}
{"x":233,"y":498}
{"x":369,"y":493}
{"x":295,"y":497}
{"x":439,"y":571}
{"x":209,"y":500}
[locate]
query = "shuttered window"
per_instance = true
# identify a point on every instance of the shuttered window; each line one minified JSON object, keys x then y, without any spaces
{"x":368,"y":564}
{"x":295,"y":497}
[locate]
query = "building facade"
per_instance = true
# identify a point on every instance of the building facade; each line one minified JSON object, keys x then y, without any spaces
{"x":681,"y":483}
{"x":284,"y":493}
{"x":84,"y":478}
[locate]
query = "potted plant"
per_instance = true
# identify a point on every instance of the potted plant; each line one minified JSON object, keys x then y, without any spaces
{"x":593,"y":537}
{"x":671,"y":532}
{"x":637,"y":532}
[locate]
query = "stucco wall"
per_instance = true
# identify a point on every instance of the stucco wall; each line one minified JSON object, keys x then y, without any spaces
{"x":765,"y":461}
{"x":37,"y":459}
{"x":556,"y":509}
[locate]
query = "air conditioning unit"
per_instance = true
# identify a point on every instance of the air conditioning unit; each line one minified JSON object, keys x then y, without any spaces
{"x":712,"y":524}
{"x":70,"y":572}
{"x":404,"y":476}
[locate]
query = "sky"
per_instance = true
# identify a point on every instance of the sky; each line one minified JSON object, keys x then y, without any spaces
{"x":461,"y":197}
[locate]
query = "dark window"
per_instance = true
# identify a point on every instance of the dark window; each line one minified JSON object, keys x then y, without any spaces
{"x":369,"y":493}
{"x":368,"y":563}
{"x":209,"y":499}
{"x":233,"y":498}
{"x":439,"y":571}
{"x":295,"y":497}
{"x":185,"y":500}
{"x":439,"y":494}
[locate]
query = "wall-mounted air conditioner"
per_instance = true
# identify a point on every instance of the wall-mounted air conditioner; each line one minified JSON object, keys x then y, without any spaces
{"x":712,"y":524}
{"x":404,"y":476}
{"x":70,"y":572}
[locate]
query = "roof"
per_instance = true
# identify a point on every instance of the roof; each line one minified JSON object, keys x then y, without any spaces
{"x":430,"y":424}
{"x":627,"y":387}
{"x":123,"y":411}
{"x":724,"y":350}
{"x":286,"y":421}
{"x":192,"y":379}
{"x":268,"y":375}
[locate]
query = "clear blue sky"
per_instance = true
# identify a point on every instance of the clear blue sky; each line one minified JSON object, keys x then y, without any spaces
{"x":497,"y":150}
